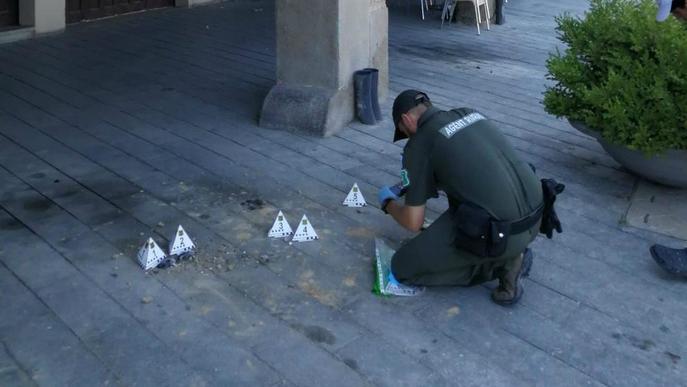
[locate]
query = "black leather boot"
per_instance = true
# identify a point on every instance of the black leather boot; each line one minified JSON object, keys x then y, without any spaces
{"x":362,"y":83}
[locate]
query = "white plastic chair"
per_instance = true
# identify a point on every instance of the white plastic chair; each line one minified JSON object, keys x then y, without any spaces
{"x":424,"y":5}
{"x":451,"y":5}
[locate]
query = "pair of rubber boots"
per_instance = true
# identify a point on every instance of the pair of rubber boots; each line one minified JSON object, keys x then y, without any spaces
{"x":366,"y":85}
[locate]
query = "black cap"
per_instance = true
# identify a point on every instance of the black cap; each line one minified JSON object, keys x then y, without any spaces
{"x":404,"y":102}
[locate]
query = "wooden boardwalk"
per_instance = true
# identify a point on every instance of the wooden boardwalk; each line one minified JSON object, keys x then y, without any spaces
{"x":124,"y":128}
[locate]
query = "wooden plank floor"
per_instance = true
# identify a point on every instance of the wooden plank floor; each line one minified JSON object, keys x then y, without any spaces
{"x":123,"y":128}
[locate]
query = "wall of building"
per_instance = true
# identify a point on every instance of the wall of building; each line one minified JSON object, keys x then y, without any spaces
{"x":26,"y":12}
{"x":48,"y":16}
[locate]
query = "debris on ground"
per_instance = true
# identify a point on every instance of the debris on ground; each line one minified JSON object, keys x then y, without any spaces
{"x":264,"y":259}
{"x":253,"y":204}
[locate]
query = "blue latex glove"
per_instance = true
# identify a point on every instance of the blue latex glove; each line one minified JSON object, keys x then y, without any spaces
{"x":384,"y":195}
{"x":392,"y":279}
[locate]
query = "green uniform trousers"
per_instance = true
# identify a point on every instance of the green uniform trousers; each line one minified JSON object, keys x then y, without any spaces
{"x":431,"y":258}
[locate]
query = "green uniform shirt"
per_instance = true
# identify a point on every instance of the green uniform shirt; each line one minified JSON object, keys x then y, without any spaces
{"x":463,"y":154}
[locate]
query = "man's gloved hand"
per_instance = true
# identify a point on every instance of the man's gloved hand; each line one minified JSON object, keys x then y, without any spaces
{"x":398,"y":189}
{"x":385,"y":194}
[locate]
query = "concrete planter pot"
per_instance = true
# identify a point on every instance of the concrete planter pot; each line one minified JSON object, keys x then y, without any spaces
{"x":667,"y":168}
{"x":585,"y":129}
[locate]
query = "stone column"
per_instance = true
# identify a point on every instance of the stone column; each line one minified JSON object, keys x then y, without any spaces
{"x":320,"y":44}
{"x":379,"y":44}
{"x":50,"y":16}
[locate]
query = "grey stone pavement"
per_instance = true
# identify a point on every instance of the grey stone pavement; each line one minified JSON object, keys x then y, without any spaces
{"x":123,"y":128}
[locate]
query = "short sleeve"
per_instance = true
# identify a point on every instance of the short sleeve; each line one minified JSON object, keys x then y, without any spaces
{"x":417,"y":175}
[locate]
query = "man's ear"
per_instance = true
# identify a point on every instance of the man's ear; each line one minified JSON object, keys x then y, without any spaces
{"x":407,"y":120}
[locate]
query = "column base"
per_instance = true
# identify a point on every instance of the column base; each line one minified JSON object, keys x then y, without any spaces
{"x":307,"y":109}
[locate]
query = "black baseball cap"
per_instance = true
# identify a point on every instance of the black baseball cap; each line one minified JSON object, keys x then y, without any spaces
{"x":404,"y":102}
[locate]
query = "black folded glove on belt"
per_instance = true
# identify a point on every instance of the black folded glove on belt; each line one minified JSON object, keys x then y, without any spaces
{"x":550,"y":221}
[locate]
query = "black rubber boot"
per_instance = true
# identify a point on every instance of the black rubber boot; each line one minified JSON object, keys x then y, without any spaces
{"x":375,"y":94}
{"x":671,"y":260}
{"x":500,"y":15}
{"x":362,"y":82}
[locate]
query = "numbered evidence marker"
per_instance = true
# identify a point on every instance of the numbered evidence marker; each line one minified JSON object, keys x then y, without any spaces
{"x":150,"y":255}
{"x":355,"y":198}
{"x":182,"y":243}
{"x":280,"y":228}
{"x":305,"y":232}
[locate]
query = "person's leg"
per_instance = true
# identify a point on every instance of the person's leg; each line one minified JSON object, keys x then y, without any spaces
{"x":511,"y":288}
{"x":431,"y":259}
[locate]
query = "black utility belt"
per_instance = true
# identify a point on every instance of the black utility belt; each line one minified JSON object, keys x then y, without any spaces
{"x":479,"y":233}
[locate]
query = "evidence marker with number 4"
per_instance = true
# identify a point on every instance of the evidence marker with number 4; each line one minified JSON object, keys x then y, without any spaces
{"x":305,"y":232}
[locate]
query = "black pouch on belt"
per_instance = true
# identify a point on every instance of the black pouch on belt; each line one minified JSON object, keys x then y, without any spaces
{"x":478,"y":232}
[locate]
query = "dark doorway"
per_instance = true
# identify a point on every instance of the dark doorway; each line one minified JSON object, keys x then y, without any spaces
{"x":9,"y":13}
{"x":92,"y":9}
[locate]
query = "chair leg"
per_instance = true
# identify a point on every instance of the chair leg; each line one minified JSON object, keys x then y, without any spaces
{"x":454,"y":6}
{"x":422,"y":8}
{"x":477,"y":16}
{"x":486,"y":5}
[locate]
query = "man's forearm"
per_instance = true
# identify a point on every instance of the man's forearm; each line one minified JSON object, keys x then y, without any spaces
{"x":404,"y":216}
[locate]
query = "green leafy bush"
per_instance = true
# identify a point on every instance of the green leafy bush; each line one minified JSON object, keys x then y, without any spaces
{"x":623,"y":73}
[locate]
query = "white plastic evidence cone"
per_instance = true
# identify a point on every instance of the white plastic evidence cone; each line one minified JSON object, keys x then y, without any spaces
{"x":150,"y":255}
{"x":182,"y":243}
{"x":280,"y":228}
{"x":305,"y":232}
{"x":355,"y":198}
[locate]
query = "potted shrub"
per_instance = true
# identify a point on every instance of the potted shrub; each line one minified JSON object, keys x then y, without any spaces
{"x":623,"y":80}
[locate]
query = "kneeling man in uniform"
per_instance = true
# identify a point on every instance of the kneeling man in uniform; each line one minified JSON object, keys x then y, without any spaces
{"x":495,"y":200}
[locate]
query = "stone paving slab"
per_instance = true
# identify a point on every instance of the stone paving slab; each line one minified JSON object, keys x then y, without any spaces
{"x":660,"y":209}
{"x":37,"y":347}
